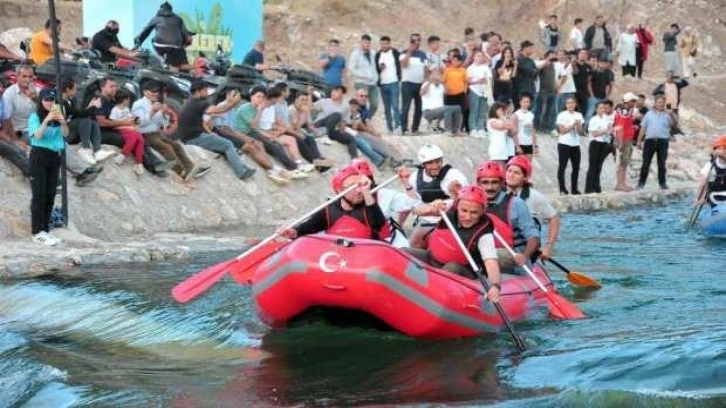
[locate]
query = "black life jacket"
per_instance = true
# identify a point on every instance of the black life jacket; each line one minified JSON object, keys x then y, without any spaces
{"x":431,"y":191}
{"x":718,"y":184}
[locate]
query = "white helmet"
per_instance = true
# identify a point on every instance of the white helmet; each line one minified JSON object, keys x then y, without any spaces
{"x":430,"y":152}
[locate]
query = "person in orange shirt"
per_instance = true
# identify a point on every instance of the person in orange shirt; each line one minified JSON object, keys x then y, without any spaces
{"x":455,"y":83}
{"x":41,"y":44}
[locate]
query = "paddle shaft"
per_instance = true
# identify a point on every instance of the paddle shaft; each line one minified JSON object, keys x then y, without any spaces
{"x":525,"y":266}
{"x":559,"y":265}
{"x":701,"y":194}
{"x":518,"y":340}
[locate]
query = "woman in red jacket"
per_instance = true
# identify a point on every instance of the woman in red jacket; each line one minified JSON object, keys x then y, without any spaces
{"x":645,"y":40}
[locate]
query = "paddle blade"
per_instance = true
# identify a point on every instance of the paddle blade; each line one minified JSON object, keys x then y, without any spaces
{"x":561,"y":308}
{"x":582,"y":280}
{"x":246,"y":265}
{"x":197,"y":284}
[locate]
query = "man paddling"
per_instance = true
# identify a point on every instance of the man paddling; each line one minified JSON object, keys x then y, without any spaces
{"x":714,"y":173}
{"x":511,"y":216}
{"x":518,"y":174}
{"x":476,"y":230}
{"x":356,"y":215}
{"x":433,"y":180}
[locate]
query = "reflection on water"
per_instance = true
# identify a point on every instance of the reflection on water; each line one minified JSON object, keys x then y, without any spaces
{"x":655,"y":337}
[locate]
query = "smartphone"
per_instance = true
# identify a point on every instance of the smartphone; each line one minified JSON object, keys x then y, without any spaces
{"x":668,"y":106}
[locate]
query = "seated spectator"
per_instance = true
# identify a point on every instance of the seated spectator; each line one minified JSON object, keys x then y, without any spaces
{"x":133,"y":140}
{"x":150,"y":112}
{"x":82,"y":128}
{"x":434,"y":110}
{"x":332,"y":114}
{"x":369,"y":132}
{"x":247,"y":120}
{"x":361,"y":141}
{"x":19,"y":102}
{"x":305,"y":142}
{"x":191,"y":130}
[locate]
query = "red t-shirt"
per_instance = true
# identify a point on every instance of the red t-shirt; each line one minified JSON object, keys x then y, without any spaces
{"x":624,"y":120}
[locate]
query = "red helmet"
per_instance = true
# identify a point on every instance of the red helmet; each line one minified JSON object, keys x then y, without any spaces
{"x":338,"y":178}
{"x":490,"y":169}
{"x":363,"y":166}
{"x":473,"y":193}
{"x":720,"y":142}
{"x":523,"y":163}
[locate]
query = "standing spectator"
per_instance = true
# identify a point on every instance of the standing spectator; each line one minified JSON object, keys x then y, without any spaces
{"x":413,"y":67}
{"x":527,"y":136}
{"x":565,"y":81}
{"x":688,"y":48}
{"x":191,"y":128}
{"x":498,"y":127}
{"x":600,"y":86}
{"x":455,"y":83}
{"x":600,"y":130}
{"x":645,"y":40}
{"x":524,"y":81}
{"x":655,"y":131}
{"x":624,"y":132}
{"x":570,"y":127}
{"x":41,"y":44}
{"x":493,"y":48}
{"x":627,"y":51}
{"x":598,"y":40}
{"x":670,"y":43}
{"x":581,"y":71}
{"x":333,"y":64}
{"x":545,"y":103}
{"x":256,"y":57}
{"x":388,"y":65}
{"x":9,"y":149}
{"x":577,"y":41}
{"x":551,"y":34}
{"x":364,"y":72}
{"x":434,"y":109}
{"x":434,"y":57}
{"x":479,"y":77}
{"x":19,"y":101}
{"x":47,"y":128}
{"x":671,"y":90}
{"x":505,"y":70}
{"x":172,"y":37}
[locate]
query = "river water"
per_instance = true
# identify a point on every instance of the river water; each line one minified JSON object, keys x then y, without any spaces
{"x":655,"y":336}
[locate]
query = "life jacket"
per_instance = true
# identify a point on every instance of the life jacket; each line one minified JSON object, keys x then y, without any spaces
{"x":431,"y":191}
{"x":717,"y":185}
{"x":443,"y":246}
{"x":353,"y":224}
{"x":499,"y":214}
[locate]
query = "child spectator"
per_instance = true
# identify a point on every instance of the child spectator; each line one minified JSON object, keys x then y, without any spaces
{"x":133,"y":140}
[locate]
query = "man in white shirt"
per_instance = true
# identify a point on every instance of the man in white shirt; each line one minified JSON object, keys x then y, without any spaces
{"x":565,"y":81}
{"x":576,"y":38}
{"x":600,"y":129}
{"x":364,"y":72}
{"x":432,"y":97}
{"x":569,"y":127}
{"x":388,"y":65}
{"x":413,"y":71}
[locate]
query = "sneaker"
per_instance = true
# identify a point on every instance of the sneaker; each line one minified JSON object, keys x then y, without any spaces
{"x":138,"y":169}
{"x":164,"y":166}
{"x":326,"y":141}
{"x":187,"y":175}
{"x":323,"y":162}
{"x":247,"y":174}
{"x":119,"y":159}
{"x":103,"y":155}
{"x":306,"y":167}
{"x":87,"y":156}
{"x":276,"y":177}
{"x":201,"y":171}
{"x":297,"y":175}
{"x":43,"y":238}
{"x":88,"y":176}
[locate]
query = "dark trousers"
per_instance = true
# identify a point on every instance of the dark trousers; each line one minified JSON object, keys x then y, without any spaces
{"x":332,"y":124}
{"x":274,"y":149}
{"x":545,"y":111}
{"x":411,"y":91}
{"x":572,"y":154}
{"x":582,"y":98}
{"x":11,"y":152}
{"x":629,"y":70}
{"x":308,"y":148}
{"x":460,"y":101}
{"x":654,"y":147}
{"x":86,"y":131}
{"x":639,"y":61}
{"x":171,"y":150}
{"x":44,"y":171}
{"x":597,"y":152}
{"x":114,"y":138}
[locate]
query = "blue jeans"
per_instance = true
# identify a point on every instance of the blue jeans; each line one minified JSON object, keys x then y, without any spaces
{"x":592,"y":103}
{"x":218,"y":144}
{"x":365,"y":147}
{"x":391,"y":105}
{"x":545,"y":111}
{"x":410,"y":92}
{"x":477,"y":111}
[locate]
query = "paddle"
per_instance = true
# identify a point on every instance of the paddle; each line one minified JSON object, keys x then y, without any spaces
{"x":576,"y":278}
{"x":518,"y":340}
{"x":200,"y":282}
{"x":557,"y":305}
{"x":701,"y":194}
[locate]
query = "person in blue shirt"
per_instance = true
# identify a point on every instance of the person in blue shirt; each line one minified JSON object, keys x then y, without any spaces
{"x":256,"y":57}
{"x":47,"y":128}
{"x":333,"y":64}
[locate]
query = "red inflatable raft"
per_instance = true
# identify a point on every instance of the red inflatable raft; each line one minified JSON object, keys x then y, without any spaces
{"x":373,"y":277}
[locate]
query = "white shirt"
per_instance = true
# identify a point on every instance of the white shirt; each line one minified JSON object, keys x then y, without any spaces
{"x":118,"y":113}
{"x":435,"y":61}
{"x":627,"y":44}
{"x":565,"y":118}
{"x":539,"y":206}
{"x":452,"y":176}
{"x":147,"y":123}
{"x":267,"y":118}
{"x":576,"y":39}
{"x":434,"y":97}
{"x":393,"y":203}
{"x":525,"y":126}
{"x":565,"y":71}
{"x":476,"y":72}
{"x":17,"y":107}
{"x":598,"y":124}
{"x":707,"y":167}
{"x":498,"y":149}
{"x":486,"y":247}
{"x":416,"y":69}
{"x":388,"y":74}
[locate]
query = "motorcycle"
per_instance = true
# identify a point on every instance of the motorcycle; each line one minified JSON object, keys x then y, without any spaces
{"x":300,"y":80}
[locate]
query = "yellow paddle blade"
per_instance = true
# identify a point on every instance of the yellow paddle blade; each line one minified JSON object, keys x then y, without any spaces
{"x":580,"y":279}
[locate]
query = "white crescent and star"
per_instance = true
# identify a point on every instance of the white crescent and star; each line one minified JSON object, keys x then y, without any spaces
{"x":326,"y":267}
